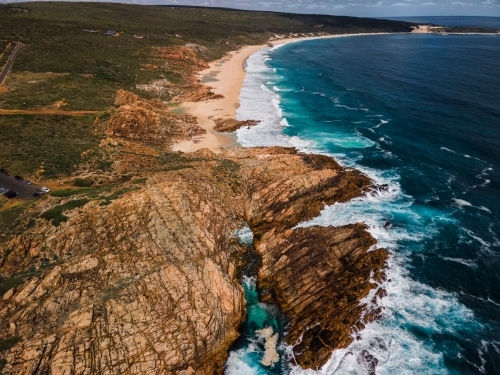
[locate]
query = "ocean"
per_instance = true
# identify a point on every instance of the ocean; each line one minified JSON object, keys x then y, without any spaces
{"x":420,"y":113}
{"x":488,"y":22}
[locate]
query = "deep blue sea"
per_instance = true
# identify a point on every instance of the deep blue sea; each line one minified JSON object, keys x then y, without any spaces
{"x":489,"y":22}
{"x":420,"y":113}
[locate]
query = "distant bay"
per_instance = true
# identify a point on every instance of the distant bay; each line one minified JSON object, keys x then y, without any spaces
{"x":489,"y":22}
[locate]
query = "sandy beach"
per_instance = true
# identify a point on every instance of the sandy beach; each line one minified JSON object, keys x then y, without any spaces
{"x":226,"y":77}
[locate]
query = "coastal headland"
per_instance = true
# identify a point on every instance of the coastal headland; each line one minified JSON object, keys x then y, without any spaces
{"x":130,"y":265}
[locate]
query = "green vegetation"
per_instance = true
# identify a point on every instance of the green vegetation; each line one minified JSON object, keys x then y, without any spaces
{"x":139,"y":181}
{"x":6,"y":344}
{"x":8,"y":284}
{"x":81,"y":182}
{"x":48,"y":142}
{"x":55,"y":214}
{"x":10,"y":220}
{"x":90,"y":67}
{"x":70,"y":192}
{"x":61,"y":65}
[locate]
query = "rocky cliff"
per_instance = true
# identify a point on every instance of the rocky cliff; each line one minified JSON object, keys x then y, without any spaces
{"x":318,"y":275}
{"x":143,"y":285}
{"x":146,"y":282}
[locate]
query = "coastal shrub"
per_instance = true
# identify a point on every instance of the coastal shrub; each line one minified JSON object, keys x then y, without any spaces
{"x":6,"y":344}
{"x":70,"y":192}
{"x":81,"y":182}
{"x":51,"y":144}
{"x":55,"y":214}
{"x":8,"y":284}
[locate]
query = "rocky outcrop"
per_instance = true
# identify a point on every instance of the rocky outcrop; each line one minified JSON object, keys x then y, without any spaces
{"x":230,"y":124}
{"x":318,"y":275}
{"x":199,"y":93}
{"x":149,"y":121}
{"x":146,"y":284}
{"x":186,"y":62}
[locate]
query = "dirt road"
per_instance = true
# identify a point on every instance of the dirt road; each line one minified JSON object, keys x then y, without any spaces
{"x":47,"y":112}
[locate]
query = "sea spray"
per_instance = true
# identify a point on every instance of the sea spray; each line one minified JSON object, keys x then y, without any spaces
{"x":259,"y":350}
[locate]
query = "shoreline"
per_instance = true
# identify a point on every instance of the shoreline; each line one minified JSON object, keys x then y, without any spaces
{"x":226,"y":77}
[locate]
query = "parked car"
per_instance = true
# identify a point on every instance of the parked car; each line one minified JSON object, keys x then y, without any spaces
{"x":37,"y":195}
{"x":3,"y":190}
{"x":18,"y":178}
{"x":11,"y":194}
{"x":44,"y":189}
{"x":28,"y":182}
{"x":3,"y":171}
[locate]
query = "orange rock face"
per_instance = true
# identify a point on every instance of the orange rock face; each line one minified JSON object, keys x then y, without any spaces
{"x":318,"y":275}
{"x":230,"y":125}
{"x":149,"y":121}
{"x":148,"y":283}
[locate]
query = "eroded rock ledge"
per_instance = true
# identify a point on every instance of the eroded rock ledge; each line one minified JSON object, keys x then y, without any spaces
{"x":318,"y":275}
{"x":147,"y":284}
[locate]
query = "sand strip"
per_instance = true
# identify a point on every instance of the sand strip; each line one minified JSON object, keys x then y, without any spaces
{"x":226,"y":77}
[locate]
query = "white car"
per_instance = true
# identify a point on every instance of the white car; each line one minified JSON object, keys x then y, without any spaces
{"x":3,"y":190}
{"x":45,"y":190}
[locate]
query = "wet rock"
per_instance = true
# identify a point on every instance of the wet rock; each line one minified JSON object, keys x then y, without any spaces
{"x":230,"y":125}
{"x":318,"y":275}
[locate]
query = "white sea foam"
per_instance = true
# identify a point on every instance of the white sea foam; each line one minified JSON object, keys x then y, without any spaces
{"x":465,"y":262}
{"x":464,"y":155}
{"x":409,"y":304}
{"x":463,"y":203}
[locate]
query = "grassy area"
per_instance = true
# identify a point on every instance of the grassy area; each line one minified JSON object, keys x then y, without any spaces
{"x":10,"y":220}
{"x":65,"y":193}
{"x":95,"y":65}
{"x":52,"y":143}
{"x":61,"y":65}
{"x":55,"y":214}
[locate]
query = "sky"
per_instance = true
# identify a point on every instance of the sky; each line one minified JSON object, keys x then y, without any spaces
{"x":361,"y":8}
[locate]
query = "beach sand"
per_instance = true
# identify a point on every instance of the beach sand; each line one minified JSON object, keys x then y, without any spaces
{"x":226,"y":77}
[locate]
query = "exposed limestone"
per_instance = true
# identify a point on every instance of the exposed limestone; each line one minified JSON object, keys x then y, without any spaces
{"x":230,"y":124}
{"x":149,"y":121}
{"x":148,"y":283}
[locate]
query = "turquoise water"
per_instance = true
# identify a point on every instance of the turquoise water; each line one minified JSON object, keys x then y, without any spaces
{"x":420,"y":113}
{"x":247,"y":353}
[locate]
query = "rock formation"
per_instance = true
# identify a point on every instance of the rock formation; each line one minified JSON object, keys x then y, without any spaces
{"x":318,"y":275}
{"x":149,"y":121}
{"x":147,"y":282}
{"x":230,"y":124}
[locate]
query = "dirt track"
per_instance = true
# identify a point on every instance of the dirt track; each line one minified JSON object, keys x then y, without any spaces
{"x":47,"y":112}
